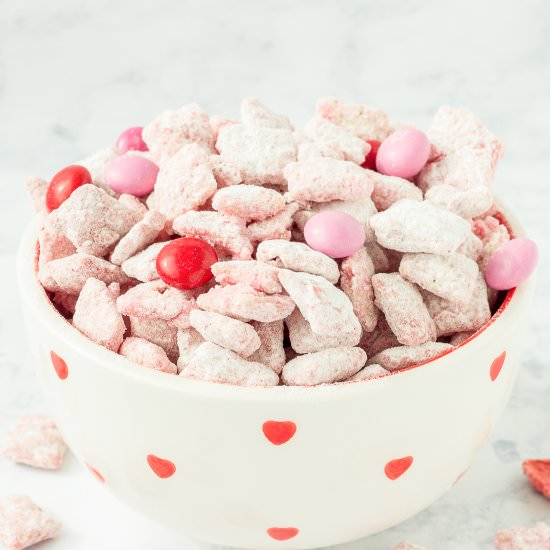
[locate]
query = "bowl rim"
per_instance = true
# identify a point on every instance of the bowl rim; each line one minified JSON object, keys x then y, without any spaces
{"x":36,"y":300}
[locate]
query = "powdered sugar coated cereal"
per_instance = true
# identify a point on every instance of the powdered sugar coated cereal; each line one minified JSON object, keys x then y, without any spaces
{"x":368,"y":373}
{"x":271,"y":351}
{"x":249,"y":202}
{"x":225,"y":173}
{"x":147,"y":354}
{"x":188,"y":341}
{"x":467,"y":203}
{"x":142,"y":266}
{"x":387,"y":190}
{"x":402,"y":357}
{"x":157,"y":331}
{"x":258,"y":275}
{"x":524,"y":538}
{"x":276,"y":227}
{"x":256,"y":115}
{"x":379,"y":339}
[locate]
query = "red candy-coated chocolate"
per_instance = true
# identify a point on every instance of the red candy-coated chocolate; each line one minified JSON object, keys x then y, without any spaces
{"x":370,"y":159}
{"x":64,"y":183}
{"x":185,"y":263}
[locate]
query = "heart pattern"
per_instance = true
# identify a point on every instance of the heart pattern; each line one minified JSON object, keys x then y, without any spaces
{"x":282,"y":533}
{"x":163,"y":468}
{"x":496,"y":366}
{"x":279,"y":432}
{"x":95,"y":472}
{"x":396,"y":468}
{"x":59,"y":365}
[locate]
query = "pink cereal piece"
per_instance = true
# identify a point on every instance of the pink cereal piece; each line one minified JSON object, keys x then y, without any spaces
{"x":23,"y":523}
{"x":243,"y":302}
{"x":226,"y":174}
{"x":304,"y":340}
{"x":132,"y":202}
{"x":217,"y":122}
{"x":258,"y":275}
{"x":379,"y":339}
{"x":35,"y":441}
{"x":158,"y":332}
{"x":355,"y":281}
{"x":326,"y":179}
{"x":95,"y":164}
{"x":387,"y":190}
{"x":139,"y":237}
{"x":171,"y":130}
{"x":362,"y":121}
{"x":256,"y":115}
{"x":466,"y":204}
{"x":298,"y":257}
{"x":213,"y":363}
{"x":93,"y":221}
{"x":260,"y":153}
{"x":368,"y":373}
{"x":36,"y":188}
{"x":249,"y":202}
{"x":276,"y":227}
{"x":143,"y":265}
{"x":402,"y":357}
{"x":335,"y":141}
{"x":379,"y":256}
{"x":114,"y":289}
{"x":225,"y":332}
{"x":147,"y":354}
{"x":491,"y":243}
{"x":188,"y":341}
{"x":326,"y":308}
{"x":468,"y":152}
{"x":65,"y":302}
{"x":226,"y":232}
{"x":271,"y":351}
{"x":451,"y":317}
{"x":411,"y":226}
{"x":97,"y":317}
{"x":53,"y":244}
{"x":524,"y":538}
{"x":406,"y":313}
{"x":460,"y":337}
{"x":71,"y":273}
{"x":485,"y":226}
{"x":471,"y":247}
{"x":324,"y":367}
{"x":407,"y":546}
{"x":452,"y":277}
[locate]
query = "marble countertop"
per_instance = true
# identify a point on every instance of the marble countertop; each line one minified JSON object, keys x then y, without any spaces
{"x":73,"y":74}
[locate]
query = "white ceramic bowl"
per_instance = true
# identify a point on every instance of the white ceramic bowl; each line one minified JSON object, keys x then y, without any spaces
{"x":223,"y":481}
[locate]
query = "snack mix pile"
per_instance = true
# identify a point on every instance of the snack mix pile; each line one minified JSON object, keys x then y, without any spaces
{"x":251,"y":253}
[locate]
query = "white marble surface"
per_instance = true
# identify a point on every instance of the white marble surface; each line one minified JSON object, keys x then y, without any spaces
{"x":73,"y":74}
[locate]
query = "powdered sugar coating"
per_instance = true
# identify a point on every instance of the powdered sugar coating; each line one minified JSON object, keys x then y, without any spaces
{"x":298,"y":257}
{"x":271,"y":351}
{"x":248,"y":202}
{"x":387,"y":190}
{"x":323,"y":367}
{"x":276,"y":227}
{"x":492,"y":240}
{"x":132,"y":202}
{"x":470,"y":247}
{"x":405,"y":312}
{"x":467,"y":203}
{"x":36,"y":441}
{"x":225,"y":173}
{"x":379,"y":256}
{"x":258,"y":275}
{"x":23,"y":523}
{"x":402,"y":357}
{"x":36,"y":188}
{"x":369,"y":372}
{"x":53,"y":244}
{"x":147,"y":354}
{"x":255,"y":114}
{"x":157,"y":331}
{"x":379,"y":339}
{"x":142,"y":266}
{"x":460,"y":337}
{"x":524,"y":538}
{"x":213,"y":363}
{"x":188,"y":341}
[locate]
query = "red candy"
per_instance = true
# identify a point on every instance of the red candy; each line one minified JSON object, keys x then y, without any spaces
{"x":185,"y":263}
{"x":64,"y":183}
{"x":370,"y":159}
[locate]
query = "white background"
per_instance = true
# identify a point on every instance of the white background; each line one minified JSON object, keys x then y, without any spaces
{"x":74,"y":74}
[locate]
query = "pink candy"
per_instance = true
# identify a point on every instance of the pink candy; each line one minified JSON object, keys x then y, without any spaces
{"x":131,"y":174}
{"x":131,"y":140}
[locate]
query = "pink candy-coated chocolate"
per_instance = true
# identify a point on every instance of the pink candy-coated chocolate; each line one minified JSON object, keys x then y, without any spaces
{"x":131,"y":140}
{"x":511,"y":264}
{"x":403,"y":153}
{"x":131,"y":174}
{"x":334,"y":233}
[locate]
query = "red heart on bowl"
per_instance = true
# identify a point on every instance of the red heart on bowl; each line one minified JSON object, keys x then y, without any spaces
{"x":496,"y":366}
{"x":396,"y":468}
{"x":279,"y":432}
{"x":59,"y":365}
{"x":282,"y":533}
{"x":162,"y":467}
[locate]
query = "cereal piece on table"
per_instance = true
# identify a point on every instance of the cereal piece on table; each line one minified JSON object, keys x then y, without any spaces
{"x":524,"y":538}
{"x":23,"y":523}
{"x":411,"y":226}
{"x":36,"y":441}
{"x":244,"y":303}
{"x":260,"y":153}
{"x":369,"y":372}
{"x":36,"y":188}
{"x":171,"y":130}
{"x":258,"y":275}
{"x":379,"y":339}
{"x":538,"y":473}
{"x":139,"y":237}
{"x":143,"y":266}
{"x":277,"y":227}
{"x":379,"y":256}
{"x":71,"y":273}
{"x":326,"y":179}
{"x":404,"y":309}
{"x":225,"y":173}
{"x":53,"y":244}
{"x":226,"y":332}
{"x":158,"y":332}
{"x":95,"y":164}
{"x":466,"y":204}
{"x":147,"y":354}
{"x":407,"y":546}
{"x":356,"y":274}
{"x":226,"y":232}
{"x":362,"y":121}
{"x":452,"y":277}
{"x":402,"y":357}
{"x":97,"y":317}
{"x":93,"y":221}
{"x":324,"y":367}
{"x":271,"y":351}
{"x":460,"y":337}
{"x":249,"y":202}
{"x":327,"y":309}
{"x":387,"y":190}
{"x":298,"y":257}
{"x":188,"y":341}
{"x":304,"y":340}
{"x":213,"y":363}
{"x":470,"y":247}
{"x":451,"y":317}
{"x":132,"y":202}
{"x":256,"y":115}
